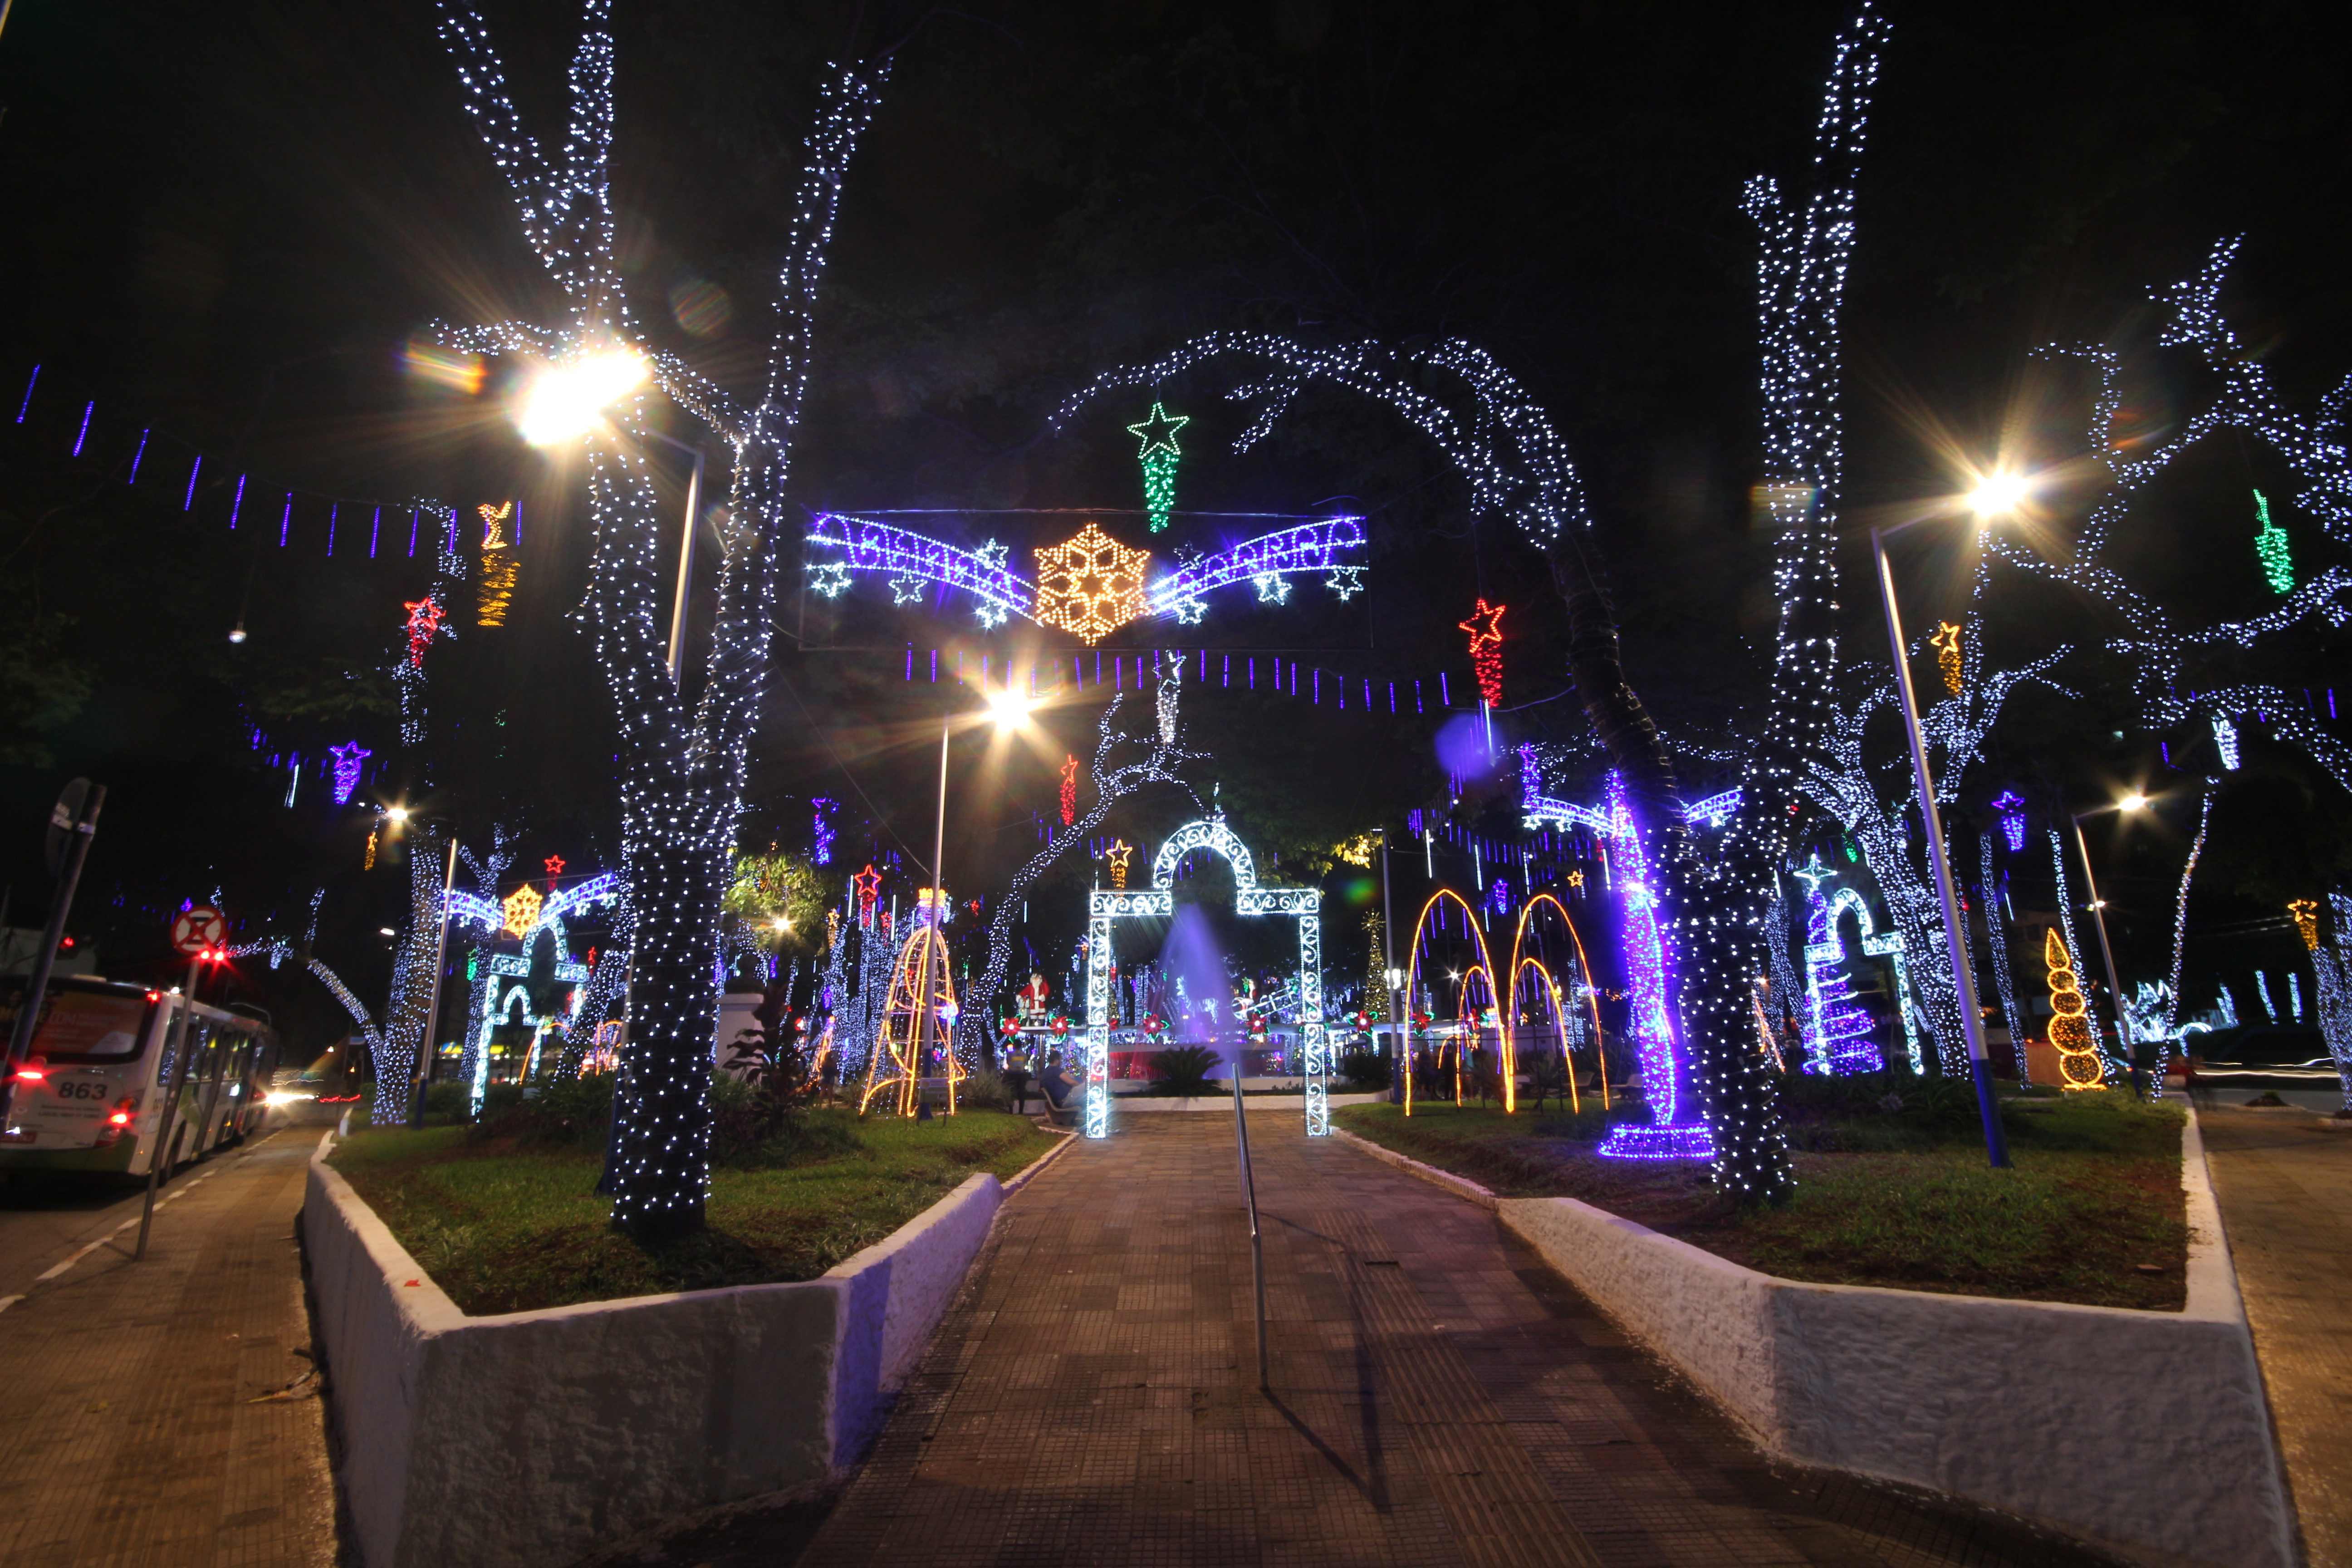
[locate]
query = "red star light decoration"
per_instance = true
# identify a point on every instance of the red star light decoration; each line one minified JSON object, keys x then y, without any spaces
{"x":424,"y":626}
{"x":1486,"y":649}
{"x":1069,"y":790}
{"x":554,"y":864}
{"x":1091,"y":584}
{"x":868,"y":884}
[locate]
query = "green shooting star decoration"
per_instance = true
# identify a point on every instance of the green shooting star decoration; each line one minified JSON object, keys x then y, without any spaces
{"x":1159,"y":458}
{"x":2269,"y":543}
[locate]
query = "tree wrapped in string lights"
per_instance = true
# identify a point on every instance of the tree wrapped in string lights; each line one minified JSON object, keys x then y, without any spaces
{"x":682,"y":767}
{"x":1843,"y":783}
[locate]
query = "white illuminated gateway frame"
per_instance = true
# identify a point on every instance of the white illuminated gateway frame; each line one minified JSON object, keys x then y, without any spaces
{"x":1305,"y":904}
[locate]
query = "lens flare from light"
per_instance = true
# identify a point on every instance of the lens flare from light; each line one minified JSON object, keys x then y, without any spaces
{"x":1998,"y":494}
{"x":567,"y":400}
{"x":1008,"y":707}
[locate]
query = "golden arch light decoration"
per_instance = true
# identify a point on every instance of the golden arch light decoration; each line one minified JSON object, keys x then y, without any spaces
{"x":1527,"y":913}
{"x":1558,"y":1027}
{"x":920,"y":987}
{"x":1508,"y":1062}
{"x":1412,"y":961}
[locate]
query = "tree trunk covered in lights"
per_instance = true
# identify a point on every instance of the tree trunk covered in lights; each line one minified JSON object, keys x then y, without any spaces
{"x":682,"y":772}
{"x":1723,"y":902}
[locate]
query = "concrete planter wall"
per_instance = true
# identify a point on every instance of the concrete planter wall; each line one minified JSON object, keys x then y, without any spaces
{"x":529,"y":1439}
{"x":2144,"y":1431}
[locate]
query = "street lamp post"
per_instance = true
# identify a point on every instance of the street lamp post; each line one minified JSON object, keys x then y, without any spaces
{"x":1009,"y":710}
{"x":1955,"y":933}
{"x":2099,"y":918}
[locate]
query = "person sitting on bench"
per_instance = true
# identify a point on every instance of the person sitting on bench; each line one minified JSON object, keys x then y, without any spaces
{"x":1057,"y":1084}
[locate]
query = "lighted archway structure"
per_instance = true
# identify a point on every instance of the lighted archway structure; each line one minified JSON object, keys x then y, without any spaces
{"x":1412,"y":968}
{"x":1875,"y":945}
{"x":1519,"y":963}
{"x":1159,"y":900}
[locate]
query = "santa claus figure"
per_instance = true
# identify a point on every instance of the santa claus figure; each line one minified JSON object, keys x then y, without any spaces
{"x":1033,"y":996}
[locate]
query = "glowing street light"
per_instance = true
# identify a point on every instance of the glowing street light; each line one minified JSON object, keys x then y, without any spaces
{"x":1008,"y":709}
{"x":567,"y":400}
{"x":1998,"y":494}
{"x":2132,"y":802}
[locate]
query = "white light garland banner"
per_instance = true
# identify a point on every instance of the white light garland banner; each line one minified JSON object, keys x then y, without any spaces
{"x":1105,"y":907}
{"x":1099,"y":601}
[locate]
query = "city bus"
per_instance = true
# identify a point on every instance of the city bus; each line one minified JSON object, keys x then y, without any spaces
{"x":89,"y":1096}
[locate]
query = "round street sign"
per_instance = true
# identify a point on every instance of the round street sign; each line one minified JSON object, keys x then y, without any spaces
{"x":193,"y":931}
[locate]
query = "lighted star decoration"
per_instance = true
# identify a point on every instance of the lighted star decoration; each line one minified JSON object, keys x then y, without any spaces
{"x":554,"y":864}
{"x":906,"y":589}
{"x":1485,"y":628}
{"x":989,"y":617}
{"x":1158,"y":457}
{"x":868,"y":884}
{"x":1120,"y":851}
{"x":1090,"y":585}
{"x":832,"y":581}
{"x":1946,"y":641}
{"x":994,"y":554}
{"x":522,"y":910}
{"x":1576,"y":878}
{"x":424,"y":626}
{"x":1814,"y":873}
{"x":1273,"y":587}
{"x":1345,"y":582}
{"x":1190,"y":612}
{"x":347,"y":761}
{"x":1159,"y":432}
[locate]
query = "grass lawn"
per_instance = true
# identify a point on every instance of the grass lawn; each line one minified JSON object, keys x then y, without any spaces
{"x":2091,"y":1213}
{"x":504,"y":1229}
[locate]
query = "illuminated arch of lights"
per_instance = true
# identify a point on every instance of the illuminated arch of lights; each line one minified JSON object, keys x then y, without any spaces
{"x":843,"y":546}
{"x":1558,"y":1027}
{"x":1421,"y":927}
{"x":1584,"y":966}
{"x":1105,"y":906}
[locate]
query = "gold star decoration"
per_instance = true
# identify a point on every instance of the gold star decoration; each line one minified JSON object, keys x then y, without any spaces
{"x":522,"y":911}
{"x":1091,"y":584}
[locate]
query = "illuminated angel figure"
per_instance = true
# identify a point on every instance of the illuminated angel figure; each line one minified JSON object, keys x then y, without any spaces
{"x":683,"y":764}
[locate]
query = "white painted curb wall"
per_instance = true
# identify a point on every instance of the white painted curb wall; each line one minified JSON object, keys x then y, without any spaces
{"x":2144,"y":1431}
{"x":529,"y":1439}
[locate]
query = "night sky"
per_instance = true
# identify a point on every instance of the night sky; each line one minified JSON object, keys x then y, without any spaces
{"x":227,"y":223}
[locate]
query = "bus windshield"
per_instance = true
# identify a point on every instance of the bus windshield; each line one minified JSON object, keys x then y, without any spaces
{"x":81,"y":1026}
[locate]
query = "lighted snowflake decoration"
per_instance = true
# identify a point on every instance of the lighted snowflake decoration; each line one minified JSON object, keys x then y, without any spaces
{"x":832,"y":581}
{"x":1091,"y":584}
{"x":521,"y":911}
{"x":1273,"y":588}
{"x":1345,"y":582}
{"x":1188,"y":612}
{"x":906,"y":589}
{"x":991,"y":615}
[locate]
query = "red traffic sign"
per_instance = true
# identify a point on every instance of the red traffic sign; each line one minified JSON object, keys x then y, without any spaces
{"x":193,"y":931}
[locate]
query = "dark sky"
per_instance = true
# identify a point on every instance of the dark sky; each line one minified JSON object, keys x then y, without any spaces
{"x":226,"y":220}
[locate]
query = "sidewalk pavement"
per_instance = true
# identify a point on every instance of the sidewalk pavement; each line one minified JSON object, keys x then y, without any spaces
{"x":130,"y":1430}
{"x":2284,"y":1187}
{"x":1438,"y":1398}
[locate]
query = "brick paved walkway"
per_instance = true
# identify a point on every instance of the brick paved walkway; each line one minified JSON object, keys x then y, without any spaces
{"x":1438,"y":1397}
{"x":127,"y":1433}
{"x":2285,"y":1190}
